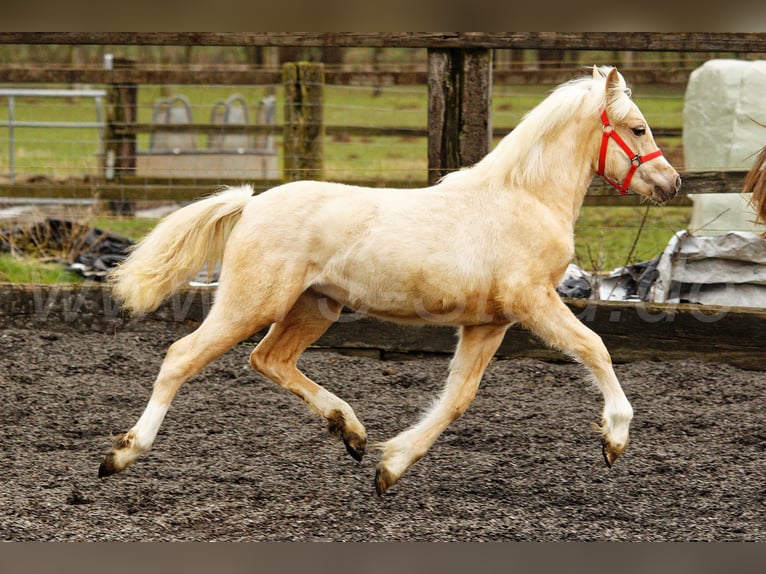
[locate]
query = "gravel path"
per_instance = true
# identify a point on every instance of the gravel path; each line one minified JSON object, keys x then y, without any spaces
{"x":239,"y":459}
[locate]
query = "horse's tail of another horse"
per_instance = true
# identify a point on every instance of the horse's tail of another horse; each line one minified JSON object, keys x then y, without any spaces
{"x":176,"y":249}
{"x":755,"y":183}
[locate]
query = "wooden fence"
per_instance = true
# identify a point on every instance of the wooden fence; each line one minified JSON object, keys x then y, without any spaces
{"x":459,"y":128}
{"x":631,"y":331}
{"x":634,"y":41}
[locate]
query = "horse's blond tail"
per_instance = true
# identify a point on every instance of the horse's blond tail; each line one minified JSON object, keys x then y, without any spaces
{"x":175,"y":251}
{"x":755,"y":183}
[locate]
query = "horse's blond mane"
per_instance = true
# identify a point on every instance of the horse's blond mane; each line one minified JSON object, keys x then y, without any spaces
{"x":519,"y":159}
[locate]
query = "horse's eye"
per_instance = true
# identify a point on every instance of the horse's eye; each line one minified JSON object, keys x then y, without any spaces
{"x":639,"y":131}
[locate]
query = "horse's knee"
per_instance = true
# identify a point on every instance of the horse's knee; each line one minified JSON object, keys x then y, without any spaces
{"x":591,"y":351}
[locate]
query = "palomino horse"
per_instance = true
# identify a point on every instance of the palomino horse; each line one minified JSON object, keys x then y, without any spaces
{"x":481,"y":250}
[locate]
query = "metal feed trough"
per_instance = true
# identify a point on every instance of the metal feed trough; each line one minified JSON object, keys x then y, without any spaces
{"x":226,"y":156}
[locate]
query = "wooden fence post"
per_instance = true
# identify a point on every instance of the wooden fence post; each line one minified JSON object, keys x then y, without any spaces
{"x":459,"y":114}
{"x":120,"y":147}
{"x":304,"y":128}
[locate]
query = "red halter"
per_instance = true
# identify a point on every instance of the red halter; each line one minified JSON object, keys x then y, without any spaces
{"x":635,"y":159}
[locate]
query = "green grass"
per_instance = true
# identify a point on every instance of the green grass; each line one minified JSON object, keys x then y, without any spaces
{"x":605,"y":236}
{"x":25,"y":270}
{"x":134,"y":228}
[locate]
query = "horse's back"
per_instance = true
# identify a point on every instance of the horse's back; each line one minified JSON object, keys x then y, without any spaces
{"x":309,"y":215}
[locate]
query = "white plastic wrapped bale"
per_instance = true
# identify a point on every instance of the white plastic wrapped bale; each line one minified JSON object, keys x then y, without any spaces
{"x":718,"y":213}
{"x":723,"y":98}
{"x":728,"y":270}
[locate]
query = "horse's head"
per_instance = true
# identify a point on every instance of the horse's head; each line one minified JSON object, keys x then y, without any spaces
{"x":629,"y":158}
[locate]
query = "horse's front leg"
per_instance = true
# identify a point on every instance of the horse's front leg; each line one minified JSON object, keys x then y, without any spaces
{"x":550,"y":319}
{"x":476,"y":347}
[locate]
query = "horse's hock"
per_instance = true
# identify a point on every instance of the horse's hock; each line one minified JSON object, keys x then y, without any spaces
{"x":174,"y":153}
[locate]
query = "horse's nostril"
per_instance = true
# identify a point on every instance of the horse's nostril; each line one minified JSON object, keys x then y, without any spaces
{"x":678,"y":183}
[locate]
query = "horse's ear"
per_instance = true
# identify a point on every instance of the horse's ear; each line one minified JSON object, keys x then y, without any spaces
{"x":598,"y":73}
{"x":613,"y":87}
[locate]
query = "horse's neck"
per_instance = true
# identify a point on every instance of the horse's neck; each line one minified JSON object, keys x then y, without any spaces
{"x":570,"y":171}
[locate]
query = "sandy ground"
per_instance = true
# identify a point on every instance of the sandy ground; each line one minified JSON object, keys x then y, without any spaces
{"x":239,"y":459}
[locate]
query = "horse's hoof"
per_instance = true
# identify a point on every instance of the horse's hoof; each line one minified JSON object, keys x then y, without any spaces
{"x":355,"y":445}
{"x":607,"y":456}
{"x":111,"y":465}
{"x":611,"y":453}
{"x":383,"y":480}
{"x":107,"y":467}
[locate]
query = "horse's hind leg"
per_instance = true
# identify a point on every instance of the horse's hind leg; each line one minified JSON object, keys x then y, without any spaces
{"x":223,"y":328}
{"x":551,"y":320}
{"x":277,"y":354}
{"x":475,"y":349}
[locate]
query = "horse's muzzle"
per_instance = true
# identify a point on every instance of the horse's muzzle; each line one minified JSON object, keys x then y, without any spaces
{"x":663,"y":194}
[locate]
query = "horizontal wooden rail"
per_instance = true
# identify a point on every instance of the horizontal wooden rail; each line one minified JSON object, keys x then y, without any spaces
{"x":141,"y":188}
{"x":639,"y":41}
{"x":631,"y":331}
{"x":120,"y":128}
{"x":270,"y":129}
{"x":243,"y":74}
{"x":329,"y":130}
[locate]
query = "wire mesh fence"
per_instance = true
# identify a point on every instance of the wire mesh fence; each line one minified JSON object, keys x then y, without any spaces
{"x":370,"y":132}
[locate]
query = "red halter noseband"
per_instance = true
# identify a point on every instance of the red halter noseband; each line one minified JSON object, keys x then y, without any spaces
{"x":635,"y":159}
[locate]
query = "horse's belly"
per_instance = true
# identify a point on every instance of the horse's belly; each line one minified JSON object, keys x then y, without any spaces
{"x":416,"y":303}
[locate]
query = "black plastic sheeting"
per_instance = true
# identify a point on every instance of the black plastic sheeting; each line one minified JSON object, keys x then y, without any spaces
{"x":630,"y":283}
{"x":575,"y":287}
{"x":637,"y":279}
{"x":89,"y":251}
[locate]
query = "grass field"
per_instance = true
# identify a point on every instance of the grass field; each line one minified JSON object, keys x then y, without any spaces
{"x":610,"y":237}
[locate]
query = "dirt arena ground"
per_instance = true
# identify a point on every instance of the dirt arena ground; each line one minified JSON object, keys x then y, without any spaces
{"x":238,"y":459}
